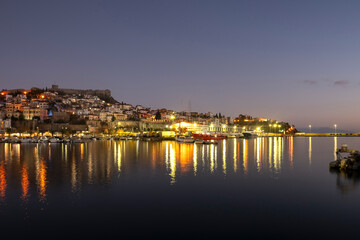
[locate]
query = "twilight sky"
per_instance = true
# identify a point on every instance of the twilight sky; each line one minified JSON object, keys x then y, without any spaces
{"x":295,"y":61}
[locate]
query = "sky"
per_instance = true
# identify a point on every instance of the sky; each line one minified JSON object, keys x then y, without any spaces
{"x":293,"y":61}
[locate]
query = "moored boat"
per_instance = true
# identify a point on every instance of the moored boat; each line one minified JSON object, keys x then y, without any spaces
{"x":249,"y":134}
{"x":184,"y":139}
{"x":208,"y":136}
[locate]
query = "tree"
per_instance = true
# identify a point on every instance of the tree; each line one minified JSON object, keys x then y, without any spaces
{"x":158,"y":116}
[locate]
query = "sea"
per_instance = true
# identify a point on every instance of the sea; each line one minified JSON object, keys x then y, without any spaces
{"x":259,"y":188}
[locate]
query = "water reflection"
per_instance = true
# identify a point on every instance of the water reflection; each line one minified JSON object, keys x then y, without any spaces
{"x":346,"y":181}
{"x":3,"y":183}
{"x":335,"y":147}
{"x":310,"y":150}
{"x":102,"y":162}
{"x":25,"y":183}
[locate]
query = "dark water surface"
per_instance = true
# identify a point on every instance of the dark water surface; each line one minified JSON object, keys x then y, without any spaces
{"x":255,"y":188}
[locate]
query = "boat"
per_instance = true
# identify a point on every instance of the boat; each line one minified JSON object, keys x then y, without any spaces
{"x":199,"y":141}
{"x":77,"y":140}
{"x":235,"y":135}
{"x":43,"y":139}
{"x":25,"y":140}
{"x":249,"y":134}
{"x":54,"y":140}
{"x":346,"y":163}
{"x":210,"y":142}
{"x":209,"y":136}
{"x":184,"y":139}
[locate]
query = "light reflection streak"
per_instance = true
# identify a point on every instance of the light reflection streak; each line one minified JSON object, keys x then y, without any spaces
{"x":276,"y":154}
{"x":335,"y":147}
{"x":212,"y":160}
{"x":310,"y":151}
{"x":25,"y":183}
{"x":172,"y":164}
{"x":81,"y":151}
{"x":224,"y":156}
{"x":203,"y":155}
{"x":73,"y":174}
{"x":270,"y":151}
{"x":6,"y":151}
{"x":167,"y":160}
{"x":235,"y":155}
{"x":90,"y":168}
{"x":42,"y":180}
{"x":245,"y":156}
{"x":258,"y":154}
{"x":3,"y":183}
{"x":195,"y":159}
{"x":291,"y":150}
{"x":118,"y":161}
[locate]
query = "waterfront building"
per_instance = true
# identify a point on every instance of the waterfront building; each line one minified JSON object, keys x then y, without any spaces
{"x":30,"y":113}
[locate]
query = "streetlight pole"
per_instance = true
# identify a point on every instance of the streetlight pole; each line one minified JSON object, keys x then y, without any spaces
{"x":335,"y":128}
{"x":310,"y":127}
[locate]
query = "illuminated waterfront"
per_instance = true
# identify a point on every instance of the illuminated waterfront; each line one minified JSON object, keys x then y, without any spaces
{"x":150,"y":188}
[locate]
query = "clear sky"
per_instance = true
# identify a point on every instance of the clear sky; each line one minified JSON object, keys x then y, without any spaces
{"x":295,"y":61}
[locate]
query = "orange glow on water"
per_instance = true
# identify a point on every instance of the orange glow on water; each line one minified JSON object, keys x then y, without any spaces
{"x":245,"y":156}
{"x":186,"y":157}
{"x":42,"y":181}
{"x":291,"y":150}
{"x":25,"y":183}
{"x":3,"y":183}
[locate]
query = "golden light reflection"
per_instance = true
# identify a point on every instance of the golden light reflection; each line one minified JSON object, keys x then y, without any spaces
{"x":258,"y":154}
{"x":270,"y":151}
{"x":224,"y":156}
{"x":81,"y":151}
{"x":185,"y":158}
{"x":6,"y":151}
{"x":212,"y":158}
{"x":167,"y":158}
{"x":90,"y":168}
{"x":310,"y":150}
{"x":73,"y":174}
{"x":25,"y":183}
{"x":118,"y":159}
{"x":3,"y":183}
{"x":195,"y":159}
{"x":245,"y":156}
{"x":235,"y":155}
{"x":172,"y":164}
{"x":278,"y":141}
{"x":335,"y":147}
{"x":291,"y":150}
{"x":42,"y":180}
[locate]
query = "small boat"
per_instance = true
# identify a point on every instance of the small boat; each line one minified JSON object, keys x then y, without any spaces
{"x":25,"y":140}
{"x":249,"y":134}
{"x":43,"y":139}
{"x":54,"y":140}
{"x":199,"y":141}
{"x":184,"y":139}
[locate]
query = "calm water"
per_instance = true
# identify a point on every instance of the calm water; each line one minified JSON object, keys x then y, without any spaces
{"x":264,"y":187}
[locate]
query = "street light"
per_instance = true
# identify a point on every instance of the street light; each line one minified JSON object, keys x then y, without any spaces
{"x":335,"y":127}
{"x":310,"y":127}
